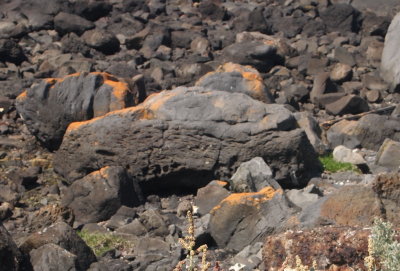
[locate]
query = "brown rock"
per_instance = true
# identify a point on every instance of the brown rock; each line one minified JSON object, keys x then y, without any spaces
{"x":352,"y":206}
{"x":333,"y":248}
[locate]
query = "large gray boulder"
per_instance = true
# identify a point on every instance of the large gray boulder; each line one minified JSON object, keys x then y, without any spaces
{"x":48,"y":107}
{"x":390,"y":67}
{"x":187,"y":137}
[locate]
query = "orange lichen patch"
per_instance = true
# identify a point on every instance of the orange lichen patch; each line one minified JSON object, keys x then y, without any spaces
{"x":51,"y":81}
{"x":221,"y":183}
{"x":120,"y":90}
{"x":104,"y":172}
{"x":157,"y":101}
{"x":22,"y":96}
{"x":233,"y":67}
{"x":253,"y":198}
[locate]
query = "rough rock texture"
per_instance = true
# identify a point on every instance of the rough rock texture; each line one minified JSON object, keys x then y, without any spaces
{"x":387,"y":186}
{"x":390,"y":68}
{"x":245,"y":218}
{"x":254,"y":53}
{"x":64,"y":236}
{"x":353,"y":206}
{"x":189,"y":134}
{"x":328,"y":246}
{"x":252,"y":176}
{"x":210,"y":196}
{"x":100,"y":194}
{"x":389,"y":154}
{"x":369,"y":132}
{"x":10,"y":257}
{"x":236,"y":78}
{"x":51,"y":257}
{"x":51,"y":105}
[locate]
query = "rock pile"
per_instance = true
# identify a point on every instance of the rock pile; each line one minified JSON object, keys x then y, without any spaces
{"x":122,"y":115}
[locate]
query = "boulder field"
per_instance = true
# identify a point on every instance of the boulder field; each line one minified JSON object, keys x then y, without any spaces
{"x":117,"y":117}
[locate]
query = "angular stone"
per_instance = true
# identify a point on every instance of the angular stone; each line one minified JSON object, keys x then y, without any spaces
{"x":352,"y":206}
{"x":105,"y":42}
{"x":389,"y":154}
{"x":64,"y":236}
{"x":341,"y":72}
{"x":210,"y":196}
{"x":256,"y":54}
{"x":65,"y":23}
{"x":349,"y":104}
{"x":100,"y":194}
{"x":237,"y":78}
{"x":252,"y":176}
{"x":50,"y":106}
{"x":313,"y":131}
{"x":52,"y":257}
{"x":341,"y":17}
{"x":188,"y":130}
{"x":245,"y":218}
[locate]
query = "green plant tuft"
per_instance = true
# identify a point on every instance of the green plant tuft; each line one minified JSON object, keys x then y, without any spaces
{"x":332,"y":166}
{"x":103,"y":242}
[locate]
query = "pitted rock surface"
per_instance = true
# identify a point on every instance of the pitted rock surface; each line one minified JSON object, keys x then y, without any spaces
{"x":189,"y":136}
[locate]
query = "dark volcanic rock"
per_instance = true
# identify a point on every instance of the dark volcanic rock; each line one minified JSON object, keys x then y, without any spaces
{"x":48,"y":107}
{"x":188,"y":137}
{"x":64,"y":236}
{"x":66,"y":23}
{"x":99,"y":195}
{"x":10,"y":51}
{"x":102,"y":41}
{"x":257,"y":54}
{"x":342,"y":18}
{"x":244,"y":218}
{"x":53,"y":257}
{"x":10,"y":257}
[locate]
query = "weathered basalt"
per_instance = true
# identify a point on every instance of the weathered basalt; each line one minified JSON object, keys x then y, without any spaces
{"x":189,"y":136}
{"x":50,"y":106}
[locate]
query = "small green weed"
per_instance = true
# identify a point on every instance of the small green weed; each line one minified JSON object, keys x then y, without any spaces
{"x":103,"y":242}
{"x":332,"y":166}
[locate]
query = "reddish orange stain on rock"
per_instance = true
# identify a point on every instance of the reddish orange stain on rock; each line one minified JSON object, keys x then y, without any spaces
{"x":253,"y":198}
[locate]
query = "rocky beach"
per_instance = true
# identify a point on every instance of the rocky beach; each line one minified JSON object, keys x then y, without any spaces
{"x":275,"y":123}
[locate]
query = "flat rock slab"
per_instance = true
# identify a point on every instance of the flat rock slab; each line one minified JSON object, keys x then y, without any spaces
{"x":189,"y":136}
{"x":50,"y":106}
